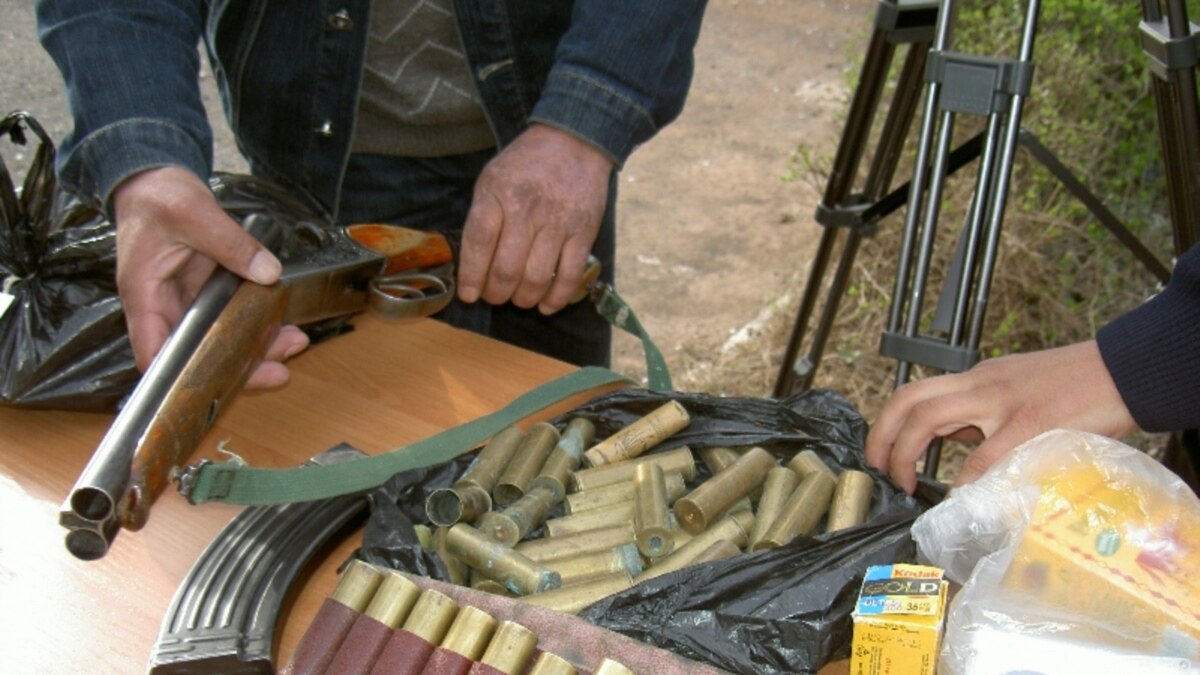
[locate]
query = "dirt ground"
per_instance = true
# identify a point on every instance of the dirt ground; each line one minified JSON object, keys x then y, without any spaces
{"x":713,"y":242}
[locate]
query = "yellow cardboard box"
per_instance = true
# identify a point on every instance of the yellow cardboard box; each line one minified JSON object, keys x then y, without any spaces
{"x":1115,"y":558}
{"x":898,"y":621}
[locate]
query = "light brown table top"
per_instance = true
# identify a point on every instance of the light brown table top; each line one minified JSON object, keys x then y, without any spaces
{"x":379,"y":387}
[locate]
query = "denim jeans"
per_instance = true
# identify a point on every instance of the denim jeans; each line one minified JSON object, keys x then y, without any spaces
{"x":435,"y":193}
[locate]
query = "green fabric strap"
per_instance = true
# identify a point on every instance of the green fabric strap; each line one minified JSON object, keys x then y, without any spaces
{"x":612,"y":307}
{"x":233,"y":482}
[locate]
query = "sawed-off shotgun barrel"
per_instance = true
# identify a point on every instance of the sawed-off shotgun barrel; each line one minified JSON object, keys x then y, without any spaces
{"x":395,"y":271}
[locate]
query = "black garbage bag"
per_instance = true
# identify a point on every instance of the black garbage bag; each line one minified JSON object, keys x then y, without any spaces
{"x":63,"y":340}
{"x":783,"y":610}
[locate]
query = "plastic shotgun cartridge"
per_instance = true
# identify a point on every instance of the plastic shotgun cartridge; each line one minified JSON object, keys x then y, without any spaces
{"x":520,"y":518}
{"x":552,"y":664}
{"x":851,"y":500}
{"x":470,"y":496}
{"x":588,"y":566}
{"x":572,"y":599}
{"x":509,"y":651}
{"x":651,"y":519}
{"x":781,"y":482}
{"x":802,"y":511}
{"x":620,"y":492}
{"x":714,"y":496}
{"x":409,"y":647}
{"x":677,"y":459}
{"x":526,"y":464}
{"x":640,"y":435}
{"x":464,"y":643}
{"x":553,"y":548}
{"x":518,"y":573}
{"x":389,"y":607}
{"x":337,"y":615}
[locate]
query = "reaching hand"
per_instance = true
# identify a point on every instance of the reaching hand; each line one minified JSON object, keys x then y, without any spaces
{"x":1002,"y":402}
{"x":534,"y":216}
{"x":171,"y":234}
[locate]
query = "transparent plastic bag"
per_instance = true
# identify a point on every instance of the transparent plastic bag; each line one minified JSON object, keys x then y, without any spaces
{"x":1075,"y":552}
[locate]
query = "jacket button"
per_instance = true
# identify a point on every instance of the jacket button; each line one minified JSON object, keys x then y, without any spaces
{"x":340,"y":20}
{"x":326,"y":129}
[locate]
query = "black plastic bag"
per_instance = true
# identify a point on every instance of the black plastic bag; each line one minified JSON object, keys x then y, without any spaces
{"x":63,"y":339}
{"x":782,"y":610}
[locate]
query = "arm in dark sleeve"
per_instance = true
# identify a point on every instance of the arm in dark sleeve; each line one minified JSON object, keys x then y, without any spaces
{"x":132,"y":75}
{"x":621,"y":72}
{"x":1153,"y":352}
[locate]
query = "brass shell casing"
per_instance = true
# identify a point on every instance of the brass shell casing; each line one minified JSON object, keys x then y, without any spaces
{"x":802,"y":511}
{"x":510,"y":649}
{"x":733,"y":528}
{"x":610,"y":667}
{"x":617,"y":514}
{"x":482,"y":583}
{"x":526,"y":464}
{"x":457,"y":569}
{"x":781,"y":482}
{"x":518,"y":573}
{"x":470,"y":633}
{"x":572,"y":599}
{"x":393,"y":600}
{"x":640,"y":435}
{"x":718,"y":550}
{"x":576,"y":438}
{"x":431,"y":616}
{"x":651,"y":518}
{"x":714,"y":496}
{"x":585,"y":566}
{"x":512,"y":524}
{"x":494,"y":458}
{"x":851,"y":500}
{"x":552,"y":664}
{"x":676,"y":459}
{"x":806,"y":462}
{"x":616,"y":493}
{"x":357,"y":585}
{"x":459,"y":503}
{"x":553,"y":548}
{"x":717,"y":458}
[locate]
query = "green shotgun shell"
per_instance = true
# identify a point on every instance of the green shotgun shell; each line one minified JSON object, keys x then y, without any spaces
{"x":640,"y":435}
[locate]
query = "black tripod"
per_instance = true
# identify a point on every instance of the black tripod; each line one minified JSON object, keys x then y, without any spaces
{"x":993,"y":89}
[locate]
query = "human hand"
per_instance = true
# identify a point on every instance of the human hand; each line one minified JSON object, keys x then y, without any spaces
{"x":171,"y":234}
{"x":1002,"y":402}
{"x":534,"y":216}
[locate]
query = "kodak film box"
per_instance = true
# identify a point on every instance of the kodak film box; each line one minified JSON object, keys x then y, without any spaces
{"x":898,"y":621}
{"x":1118,"y":559}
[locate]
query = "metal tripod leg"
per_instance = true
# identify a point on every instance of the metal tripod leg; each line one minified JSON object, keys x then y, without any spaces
{"x":896,"y":22}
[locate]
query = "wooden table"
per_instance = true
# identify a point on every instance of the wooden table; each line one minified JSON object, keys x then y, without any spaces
{"x":380,"y":387}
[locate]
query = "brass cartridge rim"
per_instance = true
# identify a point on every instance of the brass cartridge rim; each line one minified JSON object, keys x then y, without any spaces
{"x":511,"y":647}
{"x":357,"y":585}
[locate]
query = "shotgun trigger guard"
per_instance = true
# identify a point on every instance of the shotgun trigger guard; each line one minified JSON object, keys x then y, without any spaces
{"x":412,"y":294}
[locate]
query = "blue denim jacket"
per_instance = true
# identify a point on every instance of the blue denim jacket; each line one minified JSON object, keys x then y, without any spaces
{"x":612,"y":72}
